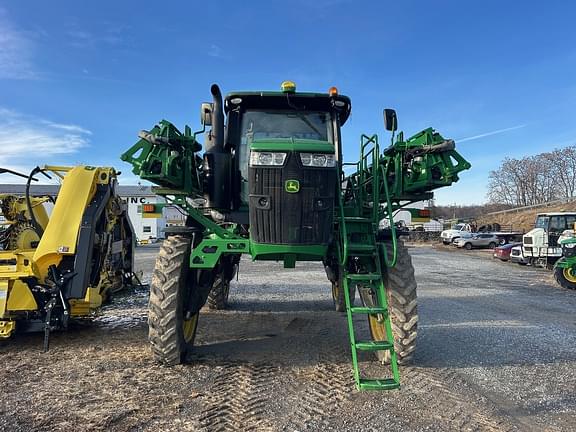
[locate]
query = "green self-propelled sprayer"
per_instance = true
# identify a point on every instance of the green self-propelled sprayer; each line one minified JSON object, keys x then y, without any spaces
{"x":271,"y":183}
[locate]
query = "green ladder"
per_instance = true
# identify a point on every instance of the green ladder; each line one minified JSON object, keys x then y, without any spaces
{"x":363,"y":228}
{"x":358,"y":224}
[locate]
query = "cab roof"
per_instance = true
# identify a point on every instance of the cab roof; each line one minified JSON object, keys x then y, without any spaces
{"x":557,"y":214}
{"x":297,"y":100}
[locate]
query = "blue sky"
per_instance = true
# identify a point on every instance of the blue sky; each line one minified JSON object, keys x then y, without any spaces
{"x":78,"y":80}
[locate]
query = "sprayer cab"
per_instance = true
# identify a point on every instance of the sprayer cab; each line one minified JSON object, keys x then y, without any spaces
{"x":275,"y":145}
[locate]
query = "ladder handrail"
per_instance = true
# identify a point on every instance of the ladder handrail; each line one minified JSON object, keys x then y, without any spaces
{"x":343,"y":243}
{"x":390,"y":215}
{"x":369,"y":171}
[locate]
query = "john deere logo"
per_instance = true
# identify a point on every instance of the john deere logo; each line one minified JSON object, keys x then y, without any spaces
{"x":292,"y":186}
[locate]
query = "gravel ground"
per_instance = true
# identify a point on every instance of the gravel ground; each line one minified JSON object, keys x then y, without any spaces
{"x":496,"y":351}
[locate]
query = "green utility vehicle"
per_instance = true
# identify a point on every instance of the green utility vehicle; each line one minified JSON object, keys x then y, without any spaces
{"x":271,"y":183}
{"x":565,"y":267}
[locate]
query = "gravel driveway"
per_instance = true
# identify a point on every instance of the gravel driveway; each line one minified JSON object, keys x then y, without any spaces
{"x":496,"y":351}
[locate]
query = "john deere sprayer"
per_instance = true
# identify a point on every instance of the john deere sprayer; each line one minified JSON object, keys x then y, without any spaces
{"x":270,"y":182}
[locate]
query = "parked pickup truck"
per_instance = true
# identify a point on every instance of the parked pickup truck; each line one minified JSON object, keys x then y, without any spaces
{"x":448,"y":236}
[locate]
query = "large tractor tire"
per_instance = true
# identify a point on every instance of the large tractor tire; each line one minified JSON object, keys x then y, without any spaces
{"x":170,"y":332}
{"x":566,"y":277}
{"x":227,"y":269}
{"x":218,"y":297}
{"x":400,"y":285}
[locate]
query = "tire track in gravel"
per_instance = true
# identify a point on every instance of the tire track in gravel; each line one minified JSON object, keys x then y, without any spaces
{"x":237,"y":400}
{"x":319,"y":392}
{"x":444,"y":393}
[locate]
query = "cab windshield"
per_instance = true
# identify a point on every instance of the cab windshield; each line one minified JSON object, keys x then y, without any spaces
{"x":262,"y":125}
{"x":310,"y":125}
{"x":560,"y":223}
{"x":556,"y":223}
{"x":542,"y":222}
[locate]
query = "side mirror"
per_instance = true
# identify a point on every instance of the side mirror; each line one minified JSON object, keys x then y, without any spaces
{"x":206,"y":114}
{"x":390,"y":119}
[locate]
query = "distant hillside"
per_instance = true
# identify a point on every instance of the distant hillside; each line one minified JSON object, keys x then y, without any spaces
{"x":465,"y":211}
{"x":523,"y":220}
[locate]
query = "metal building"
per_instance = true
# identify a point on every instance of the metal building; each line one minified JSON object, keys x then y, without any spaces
{"x":148,"y":225}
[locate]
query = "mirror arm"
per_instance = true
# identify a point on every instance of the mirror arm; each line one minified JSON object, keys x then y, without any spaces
{"x":199,"y":132}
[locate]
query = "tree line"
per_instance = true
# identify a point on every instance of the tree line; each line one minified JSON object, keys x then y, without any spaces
{"x":534,"y":179}
{"x":465,"y":211}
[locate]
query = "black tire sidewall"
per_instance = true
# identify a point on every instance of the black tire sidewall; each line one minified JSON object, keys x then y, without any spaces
{"x":166,"y":332}
{"x":561,"y":279}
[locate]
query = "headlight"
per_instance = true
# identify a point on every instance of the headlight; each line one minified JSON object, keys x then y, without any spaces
{"x":318,"y":160}
{"x":267,"y":159}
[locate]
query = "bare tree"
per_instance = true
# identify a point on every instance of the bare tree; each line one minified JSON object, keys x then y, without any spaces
{"x":534,"y":179}
{"x":510,"y":184}
{"x":563,"y":162}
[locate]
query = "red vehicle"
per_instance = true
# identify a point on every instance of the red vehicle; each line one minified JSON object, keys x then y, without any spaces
{"x":503,"y":252}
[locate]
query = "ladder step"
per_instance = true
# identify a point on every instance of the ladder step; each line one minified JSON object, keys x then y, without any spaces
{"x":364,"y":277}
{"x":369,"y":310}
{"x":361,"y":247}
{"x":378,"y":384}
{"x":357,"y":219}
{"x":374,"y":345}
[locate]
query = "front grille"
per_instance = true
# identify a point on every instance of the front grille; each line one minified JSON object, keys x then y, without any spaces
{"x":569,"y":252}
{"x":280,"y":217}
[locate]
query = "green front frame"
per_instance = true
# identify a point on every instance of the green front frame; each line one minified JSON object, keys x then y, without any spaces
{"x":211,"y":248}
{"x":278,"y":252}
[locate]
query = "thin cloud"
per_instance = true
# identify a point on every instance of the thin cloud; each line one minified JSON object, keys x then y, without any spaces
{"x":496,"y":132}
{"x":26,"y":141}
{"x":15,"y":52}
{"x":215,"y":51}
{"x":66,"y":127}
{"x":108,"y":34}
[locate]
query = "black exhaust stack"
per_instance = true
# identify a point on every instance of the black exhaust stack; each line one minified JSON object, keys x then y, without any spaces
{"x":215,"y":142}
{"x":217,"y":162}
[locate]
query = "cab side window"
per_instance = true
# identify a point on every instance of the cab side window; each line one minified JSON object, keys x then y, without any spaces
{"x":557,"y":224}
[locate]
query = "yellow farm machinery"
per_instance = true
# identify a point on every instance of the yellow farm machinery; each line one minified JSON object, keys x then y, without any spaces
{"x":66,"y":265}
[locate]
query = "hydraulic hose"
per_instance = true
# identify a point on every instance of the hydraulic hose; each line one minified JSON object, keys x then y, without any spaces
{"x":35,"y":223}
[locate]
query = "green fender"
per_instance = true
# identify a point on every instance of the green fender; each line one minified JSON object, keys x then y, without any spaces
{"x":566,"y":263}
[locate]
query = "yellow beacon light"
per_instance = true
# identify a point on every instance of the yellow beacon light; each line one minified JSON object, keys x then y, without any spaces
{"x":333,"y":91}
{"x":288,"y":87}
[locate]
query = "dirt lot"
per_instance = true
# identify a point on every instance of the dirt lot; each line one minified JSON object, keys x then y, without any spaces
{"x":497,"y":351}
